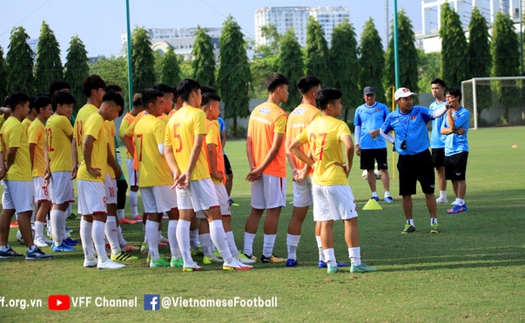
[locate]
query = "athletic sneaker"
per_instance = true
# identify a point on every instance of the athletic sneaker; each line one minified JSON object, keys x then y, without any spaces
{"x":362,"y":268}
{"x":163,"y":239}
{"x":272,"y":259}
{"x":375,"y":198}
{"x":137,"y":218}
{"x":159,"y":263}
{"x":389,"y":199}
{"x":72,"y":216}
{"x":177,"y":262}
{"x":40,"y":243}
{"x":48,"y":241}
{"x":252,"y":257}
{"x":236,"y":265}
{"x":434,"y":228}
{"x":441,"y":200}
{"x":232,"y":203}
{"x":196,"y":252}
{"x":90,"y":263}
{"x":457,"y":209}
{"x":127,"y":221}
{"x":195,"y":267}
{"x":323,"y":264}
{"x":13,"y":224}
{"x":62,"y":248}
{"x":123,"y":256}
{"x":332,"y":269}
{"x":129,"y":248}
{"x":70,"y":241}
{"x":144,"y":249}
{"x":209,"y":261}
{"x":245,"y":260}
{"x":291,"y":262}
{"x":163,"y":244}
{"x":10,"y":253}
{"x":37,"y":254}
{"x":408,"y":229}
{"x":109,"y":264}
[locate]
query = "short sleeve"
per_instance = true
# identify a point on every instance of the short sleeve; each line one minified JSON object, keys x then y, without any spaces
{"x":16,"y":135}
{"x":160,"y":128}
{"x":280,"y":124}
{"x":303,"y":136}
{"x":212,"y":136}
{"x":200,"y":123}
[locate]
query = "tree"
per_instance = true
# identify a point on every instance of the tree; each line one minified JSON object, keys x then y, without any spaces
{"x":113,"y":70}
{"x":3,"y":77}
{"x":234,"y":75}
{"x":20,"y":63}
{"x":454,"y":50}
{"x":317,"y":54}
{"x":77,"y":69}
{"x":291,"y":65}
{"x":142,"y":60}
{"x":345,"y":65}
{"x":429,"y":65}
{"x":48,"y":65}
{"x":203,"y":58}
{"x":407,"y":56}
{"x":265,"y":61}
{"x":170,"y":68}
{"x":372,"y":60}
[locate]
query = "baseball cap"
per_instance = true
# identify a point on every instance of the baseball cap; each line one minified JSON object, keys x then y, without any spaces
{"x":369,"y":90}
{"x":403,"y":92}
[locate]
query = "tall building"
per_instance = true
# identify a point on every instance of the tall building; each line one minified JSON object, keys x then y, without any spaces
{"x":284,"y":18}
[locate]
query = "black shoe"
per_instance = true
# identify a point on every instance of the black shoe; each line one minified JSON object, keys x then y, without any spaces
{"x":408,"y":229}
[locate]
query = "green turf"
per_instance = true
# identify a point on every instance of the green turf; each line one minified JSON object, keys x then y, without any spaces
{"x":472,"y":271}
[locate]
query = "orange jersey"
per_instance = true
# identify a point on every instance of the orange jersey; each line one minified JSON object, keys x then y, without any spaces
{"x":266,"y":120}
{"x":299,"y":119}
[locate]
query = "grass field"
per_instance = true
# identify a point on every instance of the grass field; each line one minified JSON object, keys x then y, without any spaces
{"x":474,"y":271}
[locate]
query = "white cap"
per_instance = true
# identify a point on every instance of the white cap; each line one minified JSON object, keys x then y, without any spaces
{"x":403,"y":92}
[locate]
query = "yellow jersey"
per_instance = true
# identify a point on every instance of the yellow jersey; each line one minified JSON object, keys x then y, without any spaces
{"x":126,"y":121}
{"x":213,"y":137}
{"x":83,"y":114}
{"x":58,"y":133}
{"x":112,"y":131}
{"x":95,"y":127}
{"x":14,"y":135}
{"x":26,"y":123}
{"x":35,"y":135}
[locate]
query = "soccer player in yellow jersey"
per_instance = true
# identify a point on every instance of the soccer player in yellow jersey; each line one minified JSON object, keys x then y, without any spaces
{"x":31,"y":115}
{"x":36,"y":139}
{"x":18,"y":183}
{"x":266,"y":155}
{"x":186,"y":157}
{"x":60,"y":168}
{"x":332,"y":197}
{"x":91,"y":181}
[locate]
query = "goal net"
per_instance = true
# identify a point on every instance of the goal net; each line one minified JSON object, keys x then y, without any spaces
{"x":495,"y":101}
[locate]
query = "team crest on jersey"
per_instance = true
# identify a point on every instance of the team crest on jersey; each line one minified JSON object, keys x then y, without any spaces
{"x":413,"y":117}
{"x":299,"y":111}
{"x":264,"y":110}
{"x":377,"y":110}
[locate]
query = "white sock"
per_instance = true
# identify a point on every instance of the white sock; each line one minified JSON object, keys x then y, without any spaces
{"x":121,"y":241}
{"x":39,"y":229}
{"x":64,"y":231}
{"x":329,"y":256}
{"x":172,"y":237}
{"x":86,"y":232}
{"x":355,"y":255}
{"x":461,"y":202}
{"x":443,"y":194}
{"x":433,"y":220}
{"x":205,"y":239}
{"x":97,"y":233}
{"x":268,"y":243}
{"x":411,"y":222}
{"x":292,"y":241}
{"x":57,"y":219}
{"x":219,"y":239}
{"x":248,"y":243}
{"x":183,"y":238}
{"x":387,"y":194}
{"x":110,"y":229}
{"x":159,"y":234}
{"x":375,"y":194}
{"x":320,"y":247}
{"x":121,"y":214}
{"x":152,"y":236}
{"x":33,"y":214}
{"x":231,"y":244}
{"x":133,"y":203}
{"x":194,"y":239}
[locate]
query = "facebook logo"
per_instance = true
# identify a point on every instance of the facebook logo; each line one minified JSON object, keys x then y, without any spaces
{"x":151,"y":302}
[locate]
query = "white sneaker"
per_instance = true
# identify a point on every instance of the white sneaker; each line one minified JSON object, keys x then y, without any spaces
{"x":441,"y":200}
{"x":163,"y":239}
{"x":243,"y":259}
{"x":109,"y":264}
{"x":89,"y":263}
{"x":40,"y":242}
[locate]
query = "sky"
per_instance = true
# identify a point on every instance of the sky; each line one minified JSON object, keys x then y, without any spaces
{"x":100,"y":24}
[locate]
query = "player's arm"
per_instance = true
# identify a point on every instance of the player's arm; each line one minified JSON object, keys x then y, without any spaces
{"x":223,"y":138}
{"x":295,"y":150}
{"x":212,"y":159}
{"x":11,"y":154}
{"x":357,"y":135}
{"x":272,"y":153}
{"x":172,"y":163}
{"x":449,"y":127}
{"x":6,"y":112}
{"x":47,"y":171}
{"x":112,"y":162}
{"x":74,"y":155}
{"x":349,"y":151}
{"x":32,"y":154}
{"x":289,"y":155}
{"x":249,"y":151}
{"x":128,"y":138}
{"x":2,"y":165}
{"x":184,"y":179}
{"x":87,"y":149}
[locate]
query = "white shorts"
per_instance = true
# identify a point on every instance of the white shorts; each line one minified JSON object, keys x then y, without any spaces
{"x":302,"y":193}
{"x":61,"y":188}
{"x":41,"y":194}
{"x":18,"y":196}
{"x":111,"y":190}
{"x":133,"y":174}
{"x":158,"y":199}
{"x":333,"y":202}
{"x":91,"y":197}
{"x":198,"y":195}
{"x":224,"y":201}
{"x":269,"y":192}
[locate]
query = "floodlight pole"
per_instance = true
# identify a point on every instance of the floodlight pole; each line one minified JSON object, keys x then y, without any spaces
{"x":396,"y":53}
{"x":130,"y":72}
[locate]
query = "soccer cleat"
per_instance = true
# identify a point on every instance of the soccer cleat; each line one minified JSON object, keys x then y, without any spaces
{"x":163,"y":239}
{"x":331,"y":269}
{"x":245,"y":260}
{"x":176,"y":262}
{"x":196,"y":252}
{"x":40,"y":243}
{"x":62,"y":248}
{"x":441,"y":200}
{"x":252,"y":257}
{"x":109,"y":264}
{"x":408,"y":229}
{"x":195,"y":267}
{"x":434,"y":228}
{"x":236,"y":265}
{"x":217,"y":254}
{"x":362,"y":268}
{"x":291,"y":262}
{"x":272,"y":259}
{"x":37,"y":254}
{"x":389,"y":199}
{"x":159,"y":263}
{"x":162,"y":244}
{"x":10,"y":253}
{"x":232,"y":203}
{"x":129,"y":248}
{"x":13,"y":224}
{"x":322,"y":264}
{"x":144,"y":249}
{"x":209,"y":261}
{"x":72,"y":216}
{"x":123,"y":256}
{"x":457,"y":209}
{"x":90,"y":263}
{"x":137,"y":218}
{"x":71,"y":242}
{"x":127,"y":221}
{"x":375,"y":198}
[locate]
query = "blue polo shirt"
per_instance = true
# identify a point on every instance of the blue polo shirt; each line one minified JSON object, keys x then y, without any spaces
{"x":437,"y":141}
{"x":454,"y":142}
{"x":370,"y":118}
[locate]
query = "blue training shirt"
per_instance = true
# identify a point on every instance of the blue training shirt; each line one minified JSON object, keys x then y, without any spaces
{"x":222,"y":127}
{"x":454,"y":142}
{"x":437,"y":141}
{"x":370,"y":118}
{"x":411,"y":127}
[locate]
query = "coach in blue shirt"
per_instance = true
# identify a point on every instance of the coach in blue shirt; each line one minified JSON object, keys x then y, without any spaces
{"x":409,"y":123}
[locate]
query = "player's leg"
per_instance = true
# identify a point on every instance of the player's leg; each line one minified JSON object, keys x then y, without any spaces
{"x":458,"y":168}
{"x":133,"y":190}
{"x":438,"y":159}
{"x":258,"y":204}
{"x":367,"y":163}
{"x":382,"y":166}
{"x":229,"y":178}
{"x":196,"y":249}
{"x":407,"y":187}
{"x":426,"y":177}
{"x":302,"y":201}
{"x":274,"y":189}
{"x":61,"y":191}
{"x":173,"y":214}
{"x":43,"y":206}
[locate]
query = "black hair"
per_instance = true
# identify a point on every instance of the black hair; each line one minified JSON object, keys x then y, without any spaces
{"x":208,"y":96}
{"x":6,"y":101}
{"x":113,"y":87}
{"x":58,"y":85}
{"x":138,"y":103}
{"x":275,"y":80}
{"x":62,"y":98}
{"x":306,"y":83}
{"x":187,"y":86}
{"x":208,"y":89}
{"x":163,"y":88}
{"x":17,"y":98}
{"x":150,"y":96}
{"x":438,"y":81}
{"x":31,"y":103}
{"x":42,"y":102}
{"x":112,"y":96}
{"x":92,"y":82}
{"x":454,"y":91}
{"x":326,"y":96}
